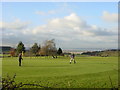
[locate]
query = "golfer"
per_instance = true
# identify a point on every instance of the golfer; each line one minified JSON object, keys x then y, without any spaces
{"x":72,"y":58}
{"x":20,"y":58}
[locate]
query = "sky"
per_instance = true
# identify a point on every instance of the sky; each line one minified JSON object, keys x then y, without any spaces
{"x":71,"y":24}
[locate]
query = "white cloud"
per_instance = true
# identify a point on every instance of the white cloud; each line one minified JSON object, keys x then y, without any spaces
{"x":64,"y":8}
{"x":16,"y":25}
{"x":40,"y":13}
{"x":52,"y":12}
{"x":69,"y":30}
{"x":46,"y":13}
{"x":110,"y":17}
{"x":71,"y":24}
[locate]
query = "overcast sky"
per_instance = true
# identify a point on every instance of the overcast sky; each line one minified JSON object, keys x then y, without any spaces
{"x":72,"y":25}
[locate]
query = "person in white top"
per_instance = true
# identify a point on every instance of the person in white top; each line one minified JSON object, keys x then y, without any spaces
{"x":72,"y":58}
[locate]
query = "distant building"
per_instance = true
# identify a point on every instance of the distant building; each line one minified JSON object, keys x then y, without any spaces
{"x":5,"y":49}
{"x":75,"y":52}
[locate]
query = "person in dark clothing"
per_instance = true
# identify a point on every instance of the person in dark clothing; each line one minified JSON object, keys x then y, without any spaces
{"x":20,"y":58}
{"x":72,"y":58}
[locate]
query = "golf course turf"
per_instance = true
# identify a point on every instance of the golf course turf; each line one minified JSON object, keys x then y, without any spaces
{"x":88,"y":72}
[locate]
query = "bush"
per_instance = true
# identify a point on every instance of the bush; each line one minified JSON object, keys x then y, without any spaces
{"x":10,"y":83}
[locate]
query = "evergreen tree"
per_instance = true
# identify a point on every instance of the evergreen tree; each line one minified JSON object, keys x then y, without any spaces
{"x":20,"y":48}
{"x":35,"y":48}
{"x":59,"y":52}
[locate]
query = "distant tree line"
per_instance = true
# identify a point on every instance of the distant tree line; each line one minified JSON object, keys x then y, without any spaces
{"x":105,"y":53}
{"x":47,"y":49}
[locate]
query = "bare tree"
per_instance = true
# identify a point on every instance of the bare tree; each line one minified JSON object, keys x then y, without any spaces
{"x":49,"y":48}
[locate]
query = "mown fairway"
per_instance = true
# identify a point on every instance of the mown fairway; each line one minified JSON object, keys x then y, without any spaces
{"x":88,"y":72}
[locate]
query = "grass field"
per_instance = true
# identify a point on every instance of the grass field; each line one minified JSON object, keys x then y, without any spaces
{"x":88,"y":72}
